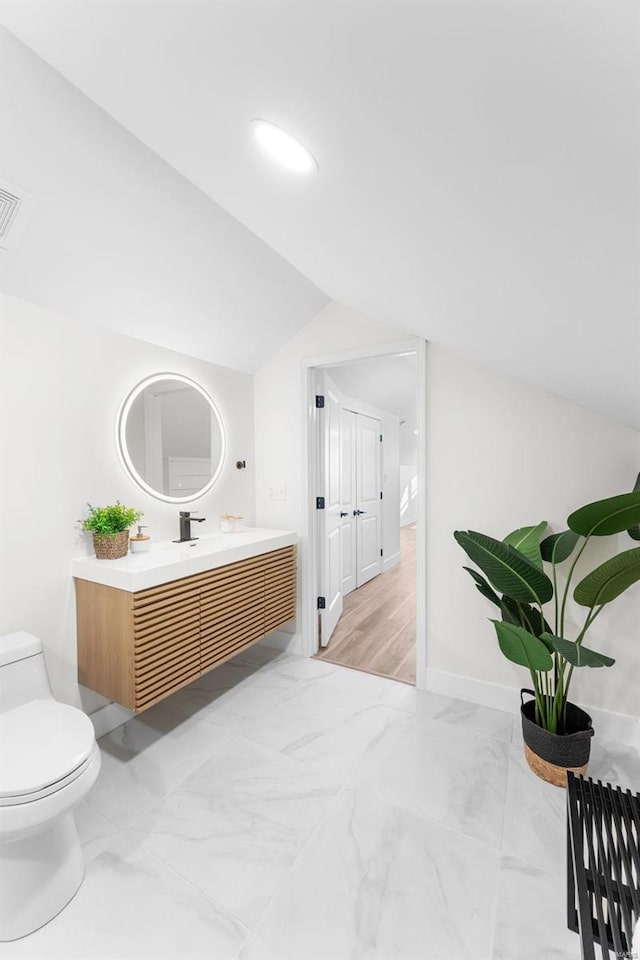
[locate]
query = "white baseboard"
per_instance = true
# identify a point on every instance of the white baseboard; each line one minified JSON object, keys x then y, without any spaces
{"x":107,"y":718}
{"x":390,"y":562}
{"x":475,"y":691}
{"x":621,"y":727}
{"x":615,"y":726}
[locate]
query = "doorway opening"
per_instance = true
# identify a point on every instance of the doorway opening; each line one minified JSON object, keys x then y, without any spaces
{"x":366,"y":479}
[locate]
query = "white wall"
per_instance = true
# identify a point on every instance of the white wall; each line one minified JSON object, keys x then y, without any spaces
{"x":390,"y":383}
{"x":62,"y":384}
{"x":278,"y":405}
{"x":391,"y":490}
{"x":408,"y":494}
{"x":119,"y":238}
{"x":279,"y":413}
{"x":499,"y":455}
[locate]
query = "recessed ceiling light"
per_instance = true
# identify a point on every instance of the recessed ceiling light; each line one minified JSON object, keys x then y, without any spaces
{"x":283,"y":148}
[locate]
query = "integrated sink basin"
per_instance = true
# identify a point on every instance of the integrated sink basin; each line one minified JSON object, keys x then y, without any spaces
{"x":168,"y":561}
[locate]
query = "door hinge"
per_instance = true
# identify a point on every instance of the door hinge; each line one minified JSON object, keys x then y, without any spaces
{"x":319,"y":401}
{"x":322,"y":603}
{"x":381,"y":552}
{"x":380,"y":438}
{"x":381,"y":494}
{"x":319,"y":503}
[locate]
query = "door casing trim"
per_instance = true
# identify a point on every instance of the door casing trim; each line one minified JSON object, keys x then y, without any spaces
{"x":309,"y":546}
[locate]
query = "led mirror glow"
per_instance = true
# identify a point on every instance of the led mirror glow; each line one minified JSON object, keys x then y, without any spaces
{"x":171,"y":438}
{"x":283,"y":148}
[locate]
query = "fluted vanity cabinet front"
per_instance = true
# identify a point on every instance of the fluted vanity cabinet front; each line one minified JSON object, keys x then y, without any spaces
{"x":137,"y":647}
{"x":166,"y":641}
{"x":233,"y":608}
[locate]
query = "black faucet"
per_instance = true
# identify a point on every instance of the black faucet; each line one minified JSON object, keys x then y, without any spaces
{"x":185,"y":526}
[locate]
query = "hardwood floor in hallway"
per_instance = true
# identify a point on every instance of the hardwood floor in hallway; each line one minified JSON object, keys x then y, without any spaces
{"x":377,"y":630}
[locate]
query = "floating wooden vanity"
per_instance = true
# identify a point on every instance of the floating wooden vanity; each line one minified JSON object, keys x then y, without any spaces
{"x":138,"y":646}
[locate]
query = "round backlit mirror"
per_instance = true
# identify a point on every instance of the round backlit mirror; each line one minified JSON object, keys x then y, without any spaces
{"x":171,"y":438}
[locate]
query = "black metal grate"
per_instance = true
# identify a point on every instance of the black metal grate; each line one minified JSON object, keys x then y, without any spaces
{"x":603,"y":865}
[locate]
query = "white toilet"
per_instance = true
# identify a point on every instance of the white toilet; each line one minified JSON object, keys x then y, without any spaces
{"x":49,"y":761}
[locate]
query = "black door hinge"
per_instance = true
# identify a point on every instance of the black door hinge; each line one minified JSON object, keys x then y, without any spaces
{"x":319,"y":503}
{"x":380,"y":438}
{"x":322,"y":603}
{"x":381,"y":552}
{"x":381,"y":494}
{"x":319,"y":401}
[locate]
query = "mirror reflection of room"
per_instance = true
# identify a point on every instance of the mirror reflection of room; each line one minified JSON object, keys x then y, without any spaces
{"x":173,"y":438}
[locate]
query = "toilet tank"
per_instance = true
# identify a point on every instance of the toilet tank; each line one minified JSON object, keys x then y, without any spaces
{"x":23,"y":674}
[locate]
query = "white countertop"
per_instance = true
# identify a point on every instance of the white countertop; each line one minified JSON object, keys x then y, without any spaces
{"x":167,"y":561}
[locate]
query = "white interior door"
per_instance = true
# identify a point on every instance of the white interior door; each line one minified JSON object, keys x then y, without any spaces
{"x":368,"y":508}
{"x":330,"y":519}
{"x":348,"y":501}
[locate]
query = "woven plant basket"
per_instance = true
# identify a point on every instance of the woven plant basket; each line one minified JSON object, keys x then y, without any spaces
{"x":551,"y":755}
{"x":111,"y":548}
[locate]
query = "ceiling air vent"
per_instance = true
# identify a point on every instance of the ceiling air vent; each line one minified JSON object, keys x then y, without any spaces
{"x":15,"y":209}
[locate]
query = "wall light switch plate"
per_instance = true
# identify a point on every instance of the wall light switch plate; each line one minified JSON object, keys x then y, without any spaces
{"x":277,"y":493}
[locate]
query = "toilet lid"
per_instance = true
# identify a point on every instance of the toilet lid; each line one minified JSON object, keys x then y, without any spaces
{"x":41,"y":742}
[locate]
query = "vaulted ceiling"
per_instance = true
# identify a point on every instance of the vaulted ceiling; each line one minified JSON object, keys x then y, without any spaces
{"x":478,"y":161}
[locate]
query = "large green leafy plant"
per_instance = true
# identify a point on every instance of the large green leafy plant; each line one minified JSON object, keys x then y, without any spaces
{"x":516,"y":582}
{"x":109,"y":521}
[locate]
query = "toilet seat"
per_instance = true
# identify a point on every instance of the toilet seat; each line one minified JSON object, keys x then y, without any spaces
{"x":45,"y":745}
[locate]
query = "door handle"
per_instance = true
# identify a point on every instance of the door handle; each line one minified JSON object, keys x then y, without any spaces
{"x":358,"y":513}
{"x":344,"y":513}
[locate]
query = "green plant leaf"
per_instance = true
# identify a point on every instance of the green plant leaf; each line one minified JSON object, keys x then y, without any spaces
{"x":559,"y":546}
{"x":527,"y":541}
{"x":510,"y":611}
{"x":111,"y":520}
{"x":544,"y":637}
{"x":604,"y":517}
{"x":520,"y":646}
{"x":576,"y":654}
{"x":506,"y":568}
{"x":523,"y":615}
{"x":482,"y":585}
{"x":634,"y":532}
{"x":609,"y":580}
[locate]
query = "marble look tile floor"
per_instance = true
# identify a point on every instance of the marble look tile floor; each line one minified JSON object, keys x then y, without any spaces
{"x":289,"y":808}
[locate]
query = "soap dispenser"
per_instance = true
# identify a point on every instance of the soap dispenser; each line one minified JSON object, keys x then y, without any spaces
{"x":141,"y":542}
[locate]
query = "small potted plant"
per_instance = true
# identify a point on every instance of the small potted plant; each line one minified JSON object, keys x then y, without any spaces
{"x":110,"y":529}
{"x":557,"y":734}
